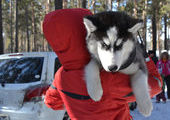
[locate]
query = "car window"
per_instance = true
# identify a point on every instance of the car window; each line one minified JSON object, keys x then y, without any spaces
{"x":57,"y":65}
{"x":21,"y":70}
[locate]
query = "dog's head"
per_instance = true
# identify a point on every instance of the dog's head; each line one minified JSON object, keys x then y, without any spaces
{"x":111,"y":38}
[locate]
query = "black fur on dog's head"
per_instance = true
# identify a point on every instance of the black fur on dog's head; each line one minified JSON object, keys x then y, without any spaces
{"x":103,"y":21}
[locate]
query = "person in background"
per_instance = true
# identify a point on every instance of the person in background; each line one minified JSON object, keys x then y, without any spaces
{"x":152,"y":54}
{"x":161,"y":95}
{"x":163,"y":66}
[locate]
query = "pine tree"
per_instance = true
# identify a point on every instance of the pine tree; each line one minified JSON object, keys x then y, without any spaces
{"x":58,"y":4}
{"x":84,"y":2}
{"x":16,"y":26}
{"x":1,"y":35}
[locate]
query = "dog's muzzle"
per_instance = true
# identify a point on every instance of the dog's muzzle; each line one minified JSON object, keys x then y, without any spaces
{"x":113,"y":68}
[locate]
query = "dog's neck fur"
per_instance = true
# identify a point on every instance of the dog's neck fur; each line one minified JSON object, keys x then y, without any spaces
{"x":130,"y":60}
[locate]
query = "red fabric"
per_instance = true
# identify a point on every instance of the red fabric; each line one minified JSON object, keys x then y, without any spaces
{"x":66,"y":35}
{"x":53,"y":99}
{"x":68,"y":41}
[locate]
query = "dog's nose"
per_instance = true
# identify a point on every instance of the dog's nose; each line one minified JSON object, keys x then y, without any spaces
{"x":113,"y":68}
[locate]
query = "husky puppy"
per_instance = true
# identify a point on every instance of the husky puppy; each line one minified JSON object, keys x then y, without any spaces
{"x":113,"y":45}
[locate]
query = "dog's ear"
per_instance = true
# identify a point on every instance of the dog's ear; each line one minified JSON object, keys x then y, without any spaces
{"x":137,"y":25}
{"x":90,"y":27}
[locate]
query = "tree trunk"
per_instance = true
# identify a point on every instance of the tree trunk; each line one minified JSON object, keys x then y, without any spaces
{"x":165,"y":34}
{"x":105,"y":5}
{"x":110,"y":4}
{"x":1,"y":35}
{"x":78,"y":4}
{"x":50,"y":5}
{"x":35,"y":34}
{"x":65,"y":4}
{"x":159,"y":36}
{"x":27,"y":28}
{"x":154,"y":31}
{"x":58,"y":4}
{"x":16,"y":28}
{"x":144,"y":17}
{"x":84,"y":2}
{"x":11,"y":27}
{"x":94,"y":6}
{"x":118,"y":4}
{"x":47,"y":7}
{"x":135,"y":8}
{"x":22,"y":42}
{"x":72,"y":4}
{"x":33,"y":27}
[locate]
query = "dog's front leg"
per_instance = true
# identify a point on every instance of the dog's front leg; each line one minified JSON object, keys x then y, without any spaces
{"x":139,"y":83}
{"x":93,"y":82}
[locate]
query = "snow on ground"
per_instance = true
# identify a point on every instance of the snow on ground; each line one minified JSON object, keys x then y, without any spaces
{"x":161,"y":111}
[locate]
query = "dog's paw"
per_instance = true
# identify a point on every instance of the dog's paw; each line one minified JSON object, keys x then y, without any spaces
{"x":95,"y":92}
{"x":145,"y":107}
{"x":93,"y":82}
{"x":94,"y":88}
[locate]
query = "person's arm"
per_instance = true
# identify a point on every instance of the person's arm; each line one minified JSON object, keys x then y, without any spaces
{"x":52,"y":98}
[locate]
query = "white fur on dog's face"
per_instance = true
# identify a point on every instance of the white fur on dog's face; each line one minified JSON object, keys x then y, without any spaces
{"x":111,"y":57}
{"x":107,"y":57}
{"x":104,"y":50}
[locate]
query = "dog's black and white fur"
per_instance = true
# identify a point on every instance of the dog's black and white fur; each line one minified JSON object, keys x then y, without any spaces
{"x":112,"y":43}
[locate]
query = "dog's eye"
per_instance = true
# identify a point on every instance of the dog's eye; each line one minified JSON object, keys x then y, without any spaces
{"x":104,"y":45}
{"x":118,"y":44}
{"x":117,"y":47}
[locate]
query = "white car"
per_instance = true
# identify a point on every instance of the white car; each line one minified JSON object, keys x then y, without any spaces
{"x":24,"y":79}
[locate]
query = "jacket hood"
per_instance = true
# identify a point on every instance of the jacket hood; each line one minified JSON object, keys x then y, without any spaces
{"x":65,"y":32}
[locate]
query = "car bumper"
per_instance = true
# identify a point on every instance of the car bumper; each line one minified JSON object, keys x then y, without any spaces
{"x":32,"y":111}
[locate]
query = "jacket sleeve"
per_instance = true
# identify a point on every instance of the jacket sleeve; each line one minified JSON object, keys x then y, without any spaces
{"x":154,"y":81}
{"x":52,"y":98}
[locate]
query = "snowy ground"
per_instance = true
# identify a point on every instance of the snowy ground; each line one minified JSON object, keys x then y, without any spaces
{"x":161,"y":111}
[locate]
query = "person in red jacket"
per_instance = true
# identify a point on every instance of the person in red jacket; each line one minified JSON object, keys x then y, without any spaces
{"x":65,"y":32}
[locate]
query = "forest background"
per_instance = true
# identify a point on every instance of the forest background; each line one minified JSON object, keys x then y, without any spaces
{"x":21,"y":21}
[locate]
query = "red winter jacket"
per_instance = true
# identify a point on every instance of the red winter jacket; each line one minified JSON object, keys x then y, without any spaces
{"x":65,"y":32}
